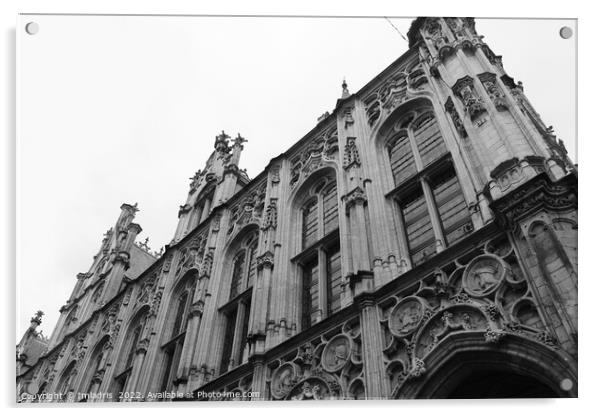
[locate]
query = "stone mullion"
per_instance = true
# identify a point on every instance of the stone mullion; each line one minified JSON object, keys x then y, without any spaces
{"x":322,"y":284}
{"x":372,"y":347}
{"x":433,"y":214}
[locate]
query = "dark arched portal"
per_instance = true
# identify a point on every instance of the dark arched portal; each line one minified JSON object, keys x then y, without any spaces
{"x":483,"y":384}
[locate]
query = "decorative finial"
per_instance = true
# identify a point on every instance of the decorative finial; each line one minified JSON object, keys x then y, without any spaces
{"x":37,"y":319}
{"x":345,"y":90}
{"x":221,"y":142}
{"x":239,"y":140}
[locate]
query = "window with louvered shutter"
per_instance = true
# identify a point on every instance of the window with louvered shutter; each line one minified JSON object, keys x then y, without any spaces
{"x":331,"y":209}
{"x":237,"y":274}
{"x":310,"y":300}
{"x":228,"y":340}
{"x":310,"y":223}
{"x":252,"y":263}
{"x":428,"y":139}
{"x":402,"y":159}
{"x":419,"y":230}
{"x":451,"y":205}
{"x":334,"y":276}
{"x":180,"y":312}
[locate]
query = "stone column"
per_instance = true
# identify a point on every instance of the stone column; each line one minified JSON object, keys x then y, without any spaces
{"x":372,"y":346}
{"x":259,"y":383}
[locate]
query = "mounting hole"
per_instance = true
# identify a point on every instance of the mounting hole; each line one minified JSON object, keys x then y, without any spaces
{"x":566,"y":32}
{"x":566,"y":384}
{"x":32,"y":28}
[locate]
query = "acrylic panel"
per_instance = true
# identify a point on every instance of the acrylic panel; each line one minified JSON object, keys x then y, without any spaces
{"x":295,"y":208}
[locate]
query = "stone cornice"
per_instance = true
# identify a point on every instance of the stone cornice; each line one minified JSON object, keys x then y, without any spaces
{"x":540,"y":192}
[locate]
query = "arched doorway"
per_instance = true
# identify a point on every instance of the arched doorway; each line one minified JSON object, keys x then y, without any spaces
{"x":464,"y":366}
{"x":484,"y":384}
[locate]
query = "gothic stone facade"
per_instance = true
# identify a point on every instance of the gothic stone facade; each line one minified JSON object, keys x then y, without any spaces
{"x":419,"y":242}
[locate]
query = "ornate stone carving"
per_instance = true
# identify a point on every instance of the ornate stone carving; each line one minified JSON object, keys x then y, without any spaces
{"x":348,"y":116}
{"x":271,"y":215}
{"x":495,"y":93}
{"x":313,"y":388}
{"x":473,"y":104}
{"x":336,"y":353}
{"x":351,"y":156}
{"x":387,"y":97}
{"x":142,"y":346}
{"x":559,"y":196}
{"x":484,"y":274}
{"x":124,"y":258}
{"x":406,"y":316}
{"x":283,"y":380}
{"x":314,"y":155}
{"x":265,"y":261}
{"x":356,"y":196}
{"x":207,"y":263}
{"x":458,"y":124}
{"x":275,"y":174}
{"x":248,"y":209}
{"x":184,"y":209}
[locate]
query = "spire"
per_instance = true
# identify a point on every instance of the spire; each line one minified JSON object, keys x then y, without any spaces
{"x":345,"y":93}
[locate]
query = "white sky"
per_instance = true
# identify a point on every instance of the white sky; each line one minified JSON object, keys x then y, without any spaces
{"x":125,"y":109}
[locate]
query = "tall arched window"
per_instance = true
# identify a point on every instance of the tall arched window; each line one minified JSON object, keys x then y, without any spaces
{"x":128,"y":353}
{"x":181,"y":304}
{"x":202,"y":207}
{"x":236,"y":310}
{"x":319,"y":259}
{"x":95,"y":364}
{"x":432,"y":203}
{"x":66,"y":380}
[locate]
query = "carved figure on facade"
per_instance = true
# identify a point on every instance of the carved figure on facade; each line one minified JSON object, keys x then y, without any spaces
{"x":458,"y":124}
{"x":496,"y":95}
{"x":351,"y":157}
{"x":484,"y":295}
{"x":271,"y":215}
{"x":473,"y":104}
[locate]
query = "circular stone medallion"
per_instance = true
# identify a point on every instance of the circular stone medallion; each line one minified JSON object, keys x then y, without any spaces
{"x":336,"y":353}
{"x":483,"y":275}
{"x":283,"y":380}
{"x":406,"y":316}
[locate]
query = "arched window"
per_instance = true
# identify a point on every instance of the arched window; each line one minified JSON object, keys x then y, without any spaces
{"x":128,"y":353}
{"x":319,"y":259}
{"x":433,"y":208}
{"x":172,"y":349}
{"x":201,"y":208}
{"x":97,"y":295}
{"x":92,"y":375}
{"x":66,"y":380}
{"x":236,"y":310}
{"x":244,"y":266}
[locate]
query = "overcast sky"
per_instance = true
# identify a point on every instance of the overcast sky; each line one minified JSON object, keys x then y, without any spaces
{"x":125,"y":109}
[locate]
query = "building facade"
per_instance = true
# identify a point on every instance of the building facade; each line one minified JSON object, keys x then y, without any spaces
{"x":419,"y":242}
